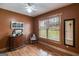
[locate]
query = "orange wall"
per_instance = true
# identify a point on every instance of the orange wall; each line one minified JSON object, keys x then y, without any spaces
{"x":5,"y":18}
{"x":68,"y":12}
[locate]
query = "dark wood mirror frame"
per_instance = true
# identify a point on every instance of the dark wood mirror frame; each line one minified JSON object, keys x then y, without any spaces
{"x":73,"y":32}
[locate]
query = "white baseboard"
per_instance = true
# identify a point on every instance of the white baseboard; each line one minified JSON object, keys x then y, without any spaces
{"x":60,"y":49}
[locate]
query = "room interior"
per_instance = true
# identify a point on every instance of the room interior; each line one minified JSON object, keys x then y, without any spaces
{"x":39,"y":29}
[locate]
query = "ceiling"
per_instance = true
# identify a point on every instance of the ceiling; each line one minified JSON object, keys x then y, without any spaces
{"x":41,"y":7}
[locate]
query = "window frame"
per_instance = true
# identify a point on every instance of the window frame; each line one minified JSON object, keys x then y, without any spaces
{"x":59,"y":15}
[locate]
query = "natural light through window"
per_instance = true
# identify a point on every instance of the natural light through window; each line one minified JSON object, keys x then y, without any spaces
{"x":50,"y":28}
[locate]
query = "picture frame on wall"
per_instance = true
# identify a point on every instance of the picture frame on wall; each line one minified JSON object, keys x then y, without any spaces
{"x":69,"y":32}
{"x":17,"y":28}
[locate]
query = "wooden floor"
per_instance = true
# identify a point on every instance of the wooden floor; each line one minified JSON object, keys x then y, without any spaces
{"x":34,"y":50}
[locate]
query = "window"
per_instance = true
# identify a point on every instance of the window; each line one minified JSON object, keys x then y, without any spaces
{"x":50,"y":28}
{"x":42,"y":29}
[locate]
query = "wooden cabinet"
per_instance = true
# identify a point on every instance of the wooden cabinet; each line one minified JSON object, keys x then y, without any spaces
{"x":16,"y":42}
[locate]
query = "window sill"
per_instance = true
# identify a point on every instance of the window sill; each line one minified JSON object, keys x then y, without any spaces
{"x":49,"y":40}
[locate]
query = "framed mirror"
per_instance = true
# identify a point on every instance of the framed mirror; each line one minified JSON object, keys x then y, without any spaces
{"x":69,"y":32}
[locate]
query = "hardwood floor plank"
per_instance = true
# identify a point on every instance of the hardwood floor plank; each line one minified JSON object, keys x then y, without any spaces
{"x":35,"y":50}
